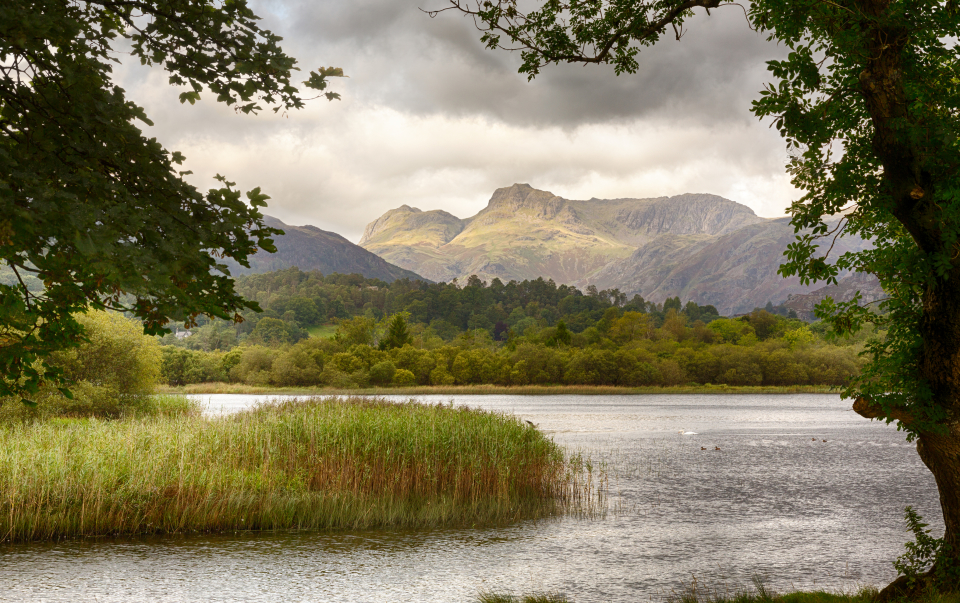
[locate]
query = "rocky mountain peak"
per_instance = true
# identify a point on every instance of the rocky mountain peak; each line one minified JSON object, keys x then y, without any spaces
{"x":523,"y":197}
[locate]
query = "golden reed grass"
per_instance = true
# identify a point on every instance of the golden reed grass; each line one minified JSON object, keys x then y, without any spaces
{"x":303,"y":464}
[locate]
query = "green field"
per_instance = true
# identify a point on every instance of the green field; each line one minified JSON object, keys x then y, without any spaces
{"x":325,"y":331}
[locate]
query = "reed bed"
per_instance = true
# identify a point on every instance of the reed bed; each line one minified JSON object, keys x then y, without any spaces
{"x":304,"y":464}
{"x":534,"y":598}
{"x":521,"y":390}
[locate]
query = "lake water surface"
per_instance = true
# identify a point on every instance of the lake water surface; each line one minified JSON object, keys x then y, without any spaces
{"x":803,"y":493}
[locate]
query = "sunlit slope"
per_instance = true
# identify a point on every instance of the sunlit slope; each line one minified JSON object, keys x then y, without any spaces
{"x":525,"y":233}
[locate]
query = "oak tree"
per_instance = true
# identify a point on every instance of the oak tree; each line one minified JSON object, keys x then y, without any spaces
{"x":90,"y":205}
{"x":867,"y":102}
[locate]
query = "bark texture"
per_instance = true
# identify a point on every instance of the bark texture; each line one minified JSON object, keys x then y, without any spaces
{"x":912,"y":191}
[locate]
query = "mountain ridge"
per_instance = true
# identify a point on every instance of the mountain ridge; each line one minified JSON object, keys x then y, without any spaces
{"x":696,"y":246}
{"x":549,"y":236}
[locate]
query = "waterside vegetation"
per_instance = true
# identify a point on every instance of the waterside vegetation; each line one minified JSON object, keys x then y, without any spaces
{"x":490,"y":389}
{"x":697,"y":594}
{"x":533,"y":333}
{"x":307,"y":464}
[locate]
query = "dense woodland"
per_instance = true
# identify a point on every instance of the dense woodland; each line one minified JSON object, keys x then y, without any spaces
{"x":532,"y":332}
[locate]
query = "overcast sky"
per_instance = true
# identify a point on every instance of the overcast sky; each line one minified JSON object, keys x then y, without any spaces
{"x":432,"y":119}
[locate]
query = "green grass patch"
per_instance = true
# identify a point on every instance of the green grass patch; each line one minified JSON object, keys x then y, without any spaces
{"x":307,"y":464}
{"x":325,"y":331}
{"x":867,"y":595}
{"x":520,"y":390}
{"x":762,"y":595}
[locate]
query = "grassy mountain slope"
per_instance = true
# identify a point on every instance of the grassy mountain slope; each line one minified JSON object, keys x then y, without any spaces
{"x":525,"y":233}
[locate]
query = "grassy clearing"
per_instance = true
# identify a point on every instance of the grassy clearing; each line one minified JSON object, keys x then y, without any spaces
{"x":522,"y":390}
{"x":305,"y":464}
{"x":325,"y":331}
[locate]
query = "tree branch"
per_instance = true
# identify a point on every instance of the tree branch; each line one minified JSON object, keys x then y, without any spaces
{"x":630,"y":29}
{"x":869,"y":410}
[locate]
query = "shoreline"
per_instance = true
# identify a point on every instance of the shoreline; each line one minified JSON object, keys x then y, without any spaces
{"x":516,"y":390}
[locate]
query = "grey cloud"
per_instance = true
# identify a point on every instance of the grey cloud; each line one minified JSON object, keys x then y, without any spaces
{"x":406,"y":60}
{"x":432,"y":119}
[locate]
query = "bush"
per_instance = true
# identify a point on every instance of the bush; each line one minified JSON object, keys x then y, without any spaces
{"x":254,"y":367}
{"x":440,"y":376}
{"x":180,"y":366}
{"x":112,"y":374}
{"x":382,"y":373}
{"x":404,"y":378}
{"x":297,"y":365}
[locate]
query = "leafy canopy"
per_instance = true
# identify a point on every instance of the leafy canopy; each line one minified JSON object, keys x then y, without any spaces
{"x":92,"y":207}
{"x":867,"y":102}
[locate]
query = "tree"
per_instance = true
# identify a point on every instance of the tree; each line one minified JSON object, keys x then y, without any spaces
{"x":93,"y":208}
{"x":867,"y":102}
{"x":397,"y":335}
{"x":561,"y":336}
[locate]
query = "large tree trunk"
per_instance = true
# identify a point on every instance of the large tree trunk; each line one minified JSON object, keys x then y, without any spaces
{"x":913,"y":193}
{"x":939,"y":366}
{"x":941,"y":454}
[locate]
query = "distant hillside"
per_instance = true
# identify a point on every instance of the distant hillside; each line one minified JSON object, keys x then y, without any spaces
{"x":525,"y":233}
{"x":699,"y":247}
{"x":310,"y":248}
{"x":735,"y":272}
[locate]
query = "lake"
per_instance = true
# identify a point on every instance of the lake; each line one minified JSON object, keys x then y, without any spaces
{"x":802,"y":492}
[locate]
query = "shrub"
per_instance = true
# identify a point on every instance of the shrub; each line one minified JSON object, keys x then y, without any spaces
{"x":440,"y":376}
{"x":404,"y":378}
{"x":254,"y":366}
{"x":113,"y":373}
{"x":382,"y":373}
{"x":297,"y":365}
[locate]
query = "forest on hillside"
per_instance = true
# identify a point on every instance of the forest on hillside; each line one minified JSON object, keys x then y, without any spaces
{"x":518,"y":333}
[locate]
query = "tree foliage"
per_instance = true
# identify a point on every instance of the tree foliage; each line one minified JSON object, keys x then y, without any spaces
{"x":93,"y":208}
{"x":112,"y":373}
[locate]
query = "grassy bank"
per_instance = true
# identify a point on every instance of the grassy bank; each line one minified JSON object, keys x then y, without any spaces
{"x":523,"y":390}
{"x":308,"y":464}
{"x":695,"y":595}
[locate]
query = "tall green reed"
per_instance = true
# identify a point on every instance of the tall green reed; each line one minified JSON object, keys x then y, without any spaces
{"x":305,"y":464}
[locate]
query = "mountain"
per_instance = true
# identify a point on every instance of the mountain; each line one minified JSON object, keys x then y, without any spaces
{"x":735,"y":272}
{"x":310,"y":248}
{"x":846,"y":287}
{"x":525,"y":233}
{"x":696,"y":246}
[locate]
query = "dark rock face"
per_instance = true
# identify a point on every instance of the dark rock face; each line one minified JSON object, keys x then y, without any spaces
{"x":310,"y":248}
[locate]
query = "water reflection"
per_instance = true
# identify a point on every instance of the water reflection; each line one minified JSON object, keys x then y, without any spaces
{"x":775,"y":499}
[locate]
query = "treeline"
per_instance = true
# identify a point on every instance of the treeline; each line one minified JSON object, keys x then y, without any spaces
{"x":304,"y":300}
{"x":442,"y":334}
